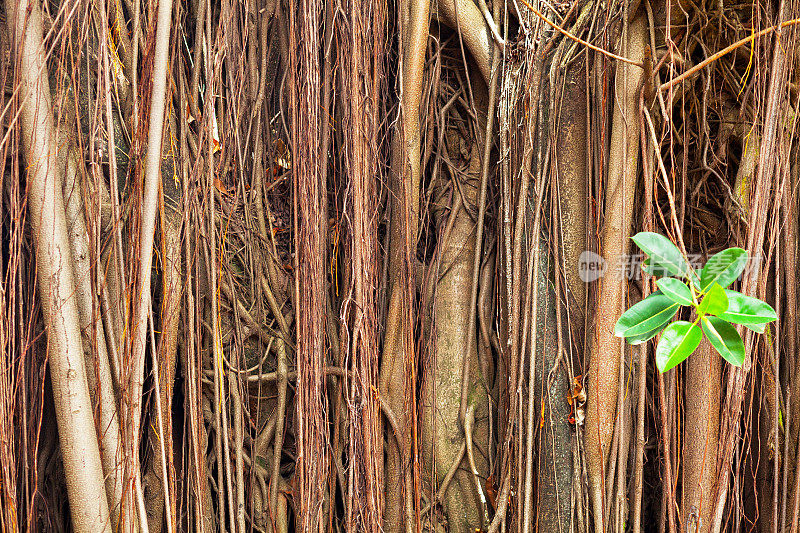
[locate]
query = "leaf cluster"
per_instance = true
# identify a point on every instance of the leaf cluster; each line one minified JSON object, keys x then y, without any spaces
{"x":716,"y":308}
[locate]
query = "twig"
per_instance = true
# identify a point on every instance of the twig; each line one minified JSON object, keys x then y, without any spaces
{"x":447,"y":478}
{"x":492,"y":24}
{"x":476,"y":260}
{"x":670,"y":196}
{"x":725,"y":51}
{"x":502,"y":504}
{"x":529,"y":429}
{"x":638,"y":474}
{"x":469,"y":423}
{"x":149,"y":210}
{"x":279,"y":426}
{"x":160,"y":422}
{"x":578,"y":39}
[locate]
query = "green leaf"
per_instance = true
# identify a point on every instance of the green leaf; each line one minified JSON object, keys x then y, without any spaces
{"x":677,"y":343}
{"x":675,"y":290}
{"x":654,"y":269}
{"x":645,"y":316}
{"x":644,"y":337}
{"x":723,"y":268}
{"x":714,"y":302}
{"x":725,"y":339}
{"x":758,"y":328}
{"x":747,"y":311}
{"x":662,"y":252}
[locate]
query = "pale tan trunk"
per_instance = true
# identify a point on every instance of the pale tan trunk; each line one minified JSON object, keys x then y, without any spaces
{"x":98,"y":367}
{"x":54,"y":263}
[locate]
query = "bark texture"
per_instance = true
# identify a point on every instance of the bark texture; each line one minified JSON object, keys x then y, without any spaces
{"x":703,"y":375}
{"x":56,"y":278}
{"x":441,"y":431}
{"x":607,"y":352}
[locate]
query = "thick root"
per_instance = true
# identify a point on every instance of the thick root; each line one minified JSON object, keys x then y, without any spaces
{"x":606,"y":349}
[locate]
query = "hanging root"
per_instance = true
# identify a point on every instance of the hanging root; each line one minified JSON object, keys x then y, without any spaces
{"x":606,"y":350}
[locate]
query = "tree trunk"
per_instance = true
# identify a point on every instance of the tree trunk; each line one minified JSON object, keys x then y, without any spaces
{"x":701,"y":436}
{"x":607,"y":353}
{"x":54,"y":265}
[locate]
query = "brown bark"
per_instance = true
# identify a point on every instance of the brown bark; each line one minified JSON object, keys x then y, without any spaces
{"x":397,"y":364}
{"x":701,"y":435}
{"x":572,"y":160}
{"x":465,"y":17}
{"x":441,"y":431}
{"x":607,"y":352}
{"x":171,"y":289}
{"x":310,"y":225}
{"x":554,"y":472}
{"x":361,"y":52}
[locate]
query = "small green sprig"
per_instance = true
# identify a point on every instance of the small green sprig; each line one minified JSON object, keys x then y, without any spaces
{"x":716,"y":307}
